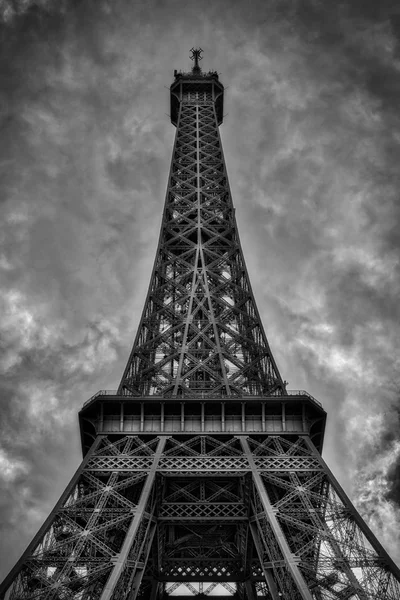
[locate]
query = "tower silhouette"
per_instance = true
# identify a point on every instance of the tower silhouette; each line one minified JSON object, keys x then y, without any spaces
{"x":202,"y":475}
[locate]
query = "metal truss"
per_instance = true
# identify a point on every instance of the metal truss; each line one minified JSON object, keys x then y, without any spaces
{"x":252,"y":511}
{"x":89,"y":533}
{"x":200,"y":332}
{"x":276,"y":524}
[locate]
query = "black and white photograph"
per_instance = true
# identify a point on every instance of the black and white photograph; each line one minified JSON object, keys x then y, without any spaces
{"x":199,"y":299}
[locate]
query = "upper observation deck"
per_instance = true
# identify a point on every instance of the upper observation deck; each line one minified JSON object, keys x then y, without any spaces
{"x":196,"y":87}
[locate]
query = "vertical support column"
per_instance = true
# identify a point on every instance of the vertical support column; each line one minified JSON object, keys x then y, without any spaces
{"x":101,"y":428}
{"x":222,"y":416}
{"x":283,"y":416}
{"x":142,"y":416}
{"x":303,"y":416}
{"x":121,"y":558}
{"x":121,"y":417}
{"x":202,"y":416}
{"x":162,"y":416}
{"x":212,"y":316}
{"x":243,"y":416}
{"x":182,"y":416}
{"x":183,"y":348}
{"x":291,"y":560}
{"x":263,"y":416}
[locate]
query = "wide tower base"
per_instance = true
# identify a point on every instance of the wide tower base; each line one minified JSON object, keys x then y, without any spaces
{"x":216,"y":499}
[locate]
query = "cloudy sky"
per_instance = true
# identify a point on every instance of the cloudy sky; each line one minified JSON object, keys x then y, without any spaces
{"x":312,"y":143}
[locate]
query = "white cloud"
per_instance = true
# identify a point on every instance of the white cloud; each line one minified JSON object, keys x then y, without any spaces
{"x":11,"y":468}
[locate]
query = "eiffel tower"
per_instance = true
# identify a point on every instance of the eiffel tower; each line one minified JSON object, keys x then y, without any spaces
{"x":202,"y":474}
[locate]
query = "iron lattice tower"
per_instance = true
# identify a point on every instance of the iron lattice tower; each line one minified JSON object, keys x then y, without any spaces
{"x":202,"y":475}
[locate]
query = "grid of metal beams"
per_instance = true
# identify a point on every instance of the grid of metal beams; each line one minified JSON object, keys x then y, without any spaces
{"x":200,"y":333}
{"x":276,"y":518}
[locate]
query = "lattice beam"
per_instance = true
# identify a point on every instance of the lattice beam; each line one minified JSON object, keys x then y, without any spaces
{"x":200,"y":329}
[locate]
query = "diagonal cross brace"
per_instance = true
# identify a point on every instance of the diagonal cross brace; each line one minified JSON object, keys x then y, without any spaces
{"x":130,"y":536}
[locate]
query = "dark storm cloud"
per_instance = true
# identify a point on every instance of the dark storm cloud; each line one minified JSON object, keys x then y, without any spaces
{"x":312,"y":142}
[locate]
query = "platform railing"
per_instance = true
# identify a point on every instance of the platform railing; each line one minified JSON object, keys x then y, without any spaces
{"x":205,"y":396}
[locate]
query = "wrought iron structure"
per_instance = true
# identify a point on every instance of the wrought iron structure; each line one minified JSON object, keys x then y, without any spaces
{"x":202,"y":475}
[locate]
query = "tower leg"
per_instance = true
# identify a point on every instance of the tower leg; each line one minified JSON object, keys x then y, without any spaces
{"x":289,"y":558}
{"x":5,"y":586}
{"x":306,"y":532}
{"x":269,"y":578}
{"x":137,"y":579}
{"x":121,"y":567}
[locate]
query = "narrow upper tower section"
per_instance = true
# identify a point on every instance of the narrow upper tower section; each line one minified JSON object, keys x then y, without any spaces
{"x":196,"y":86}
{"x":200,"y":334}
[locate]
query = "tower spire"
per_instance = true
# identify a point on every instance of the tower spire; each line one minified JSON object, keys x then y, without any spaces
{"x":196,"y":56}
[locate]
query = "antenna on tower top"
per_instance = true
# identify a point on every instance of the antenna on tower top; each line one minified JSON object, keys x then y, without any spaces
{"x":196,"y":56}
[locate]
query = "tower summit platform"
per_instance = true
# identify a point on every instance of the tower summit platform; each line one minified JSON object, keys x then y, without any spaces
{"x":188,"y":86}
